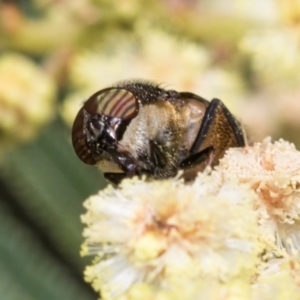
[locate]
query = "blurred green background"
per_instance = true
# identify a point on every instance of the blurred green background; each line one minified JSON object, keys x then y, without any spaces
{"x":55,"y":53}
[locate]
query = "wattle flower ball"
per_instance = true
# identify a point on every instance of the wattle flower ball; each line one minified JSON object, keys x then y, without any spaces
{"x":231,"y":234}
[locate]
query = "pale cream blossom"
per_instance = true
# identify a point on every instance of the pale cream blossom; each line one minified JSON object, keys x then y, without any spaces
{"x":273,"y":171}
{"x":198,"y":289}
{"x":279,"y":278}
{"x":162,"y":231}
{"x":231,"y":234}
{"x":273,"y":286}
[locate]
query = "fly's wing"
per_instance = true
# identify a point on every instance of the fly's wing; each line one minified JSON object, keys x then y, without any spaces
{"x":220,"y":130}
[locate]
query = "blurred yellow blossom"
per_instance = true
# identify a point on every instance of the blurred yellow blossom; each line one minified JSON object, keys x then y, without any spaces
{"x":289,"y":11}
{"x":70,"y":107}
{"x":152,"y":54}
{"x":174,"y":62}
{"x":275,"y":56}
{"x":255,"y":10}
{"x":27,"y":97}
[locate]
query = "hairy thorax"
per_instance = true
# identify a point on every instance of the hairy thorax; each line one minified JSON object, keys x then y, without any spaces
{"x":169,"y":126}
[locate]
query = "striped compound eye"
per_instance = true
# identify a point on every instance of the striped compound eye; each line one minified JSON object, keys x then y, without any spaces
{"x":113,"y":102}
{"x":101,"y":120}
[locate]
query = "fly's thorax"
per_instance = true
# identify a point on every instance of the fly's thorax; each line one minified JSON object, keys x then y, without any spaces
{"x":161,"y":122}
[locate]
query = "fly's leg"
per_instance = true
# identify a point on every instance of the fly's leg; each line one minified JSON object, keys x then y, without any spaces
{"x":204,"y":157}
{"x":115,"y":178}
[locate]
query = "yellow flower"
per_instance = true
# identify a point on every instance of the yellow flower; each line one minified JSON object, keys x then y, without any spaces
{"x":165,"y":240}
{"x":162,"y":231}
{"x":193,"y":290}
{"x":27,"y":97}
